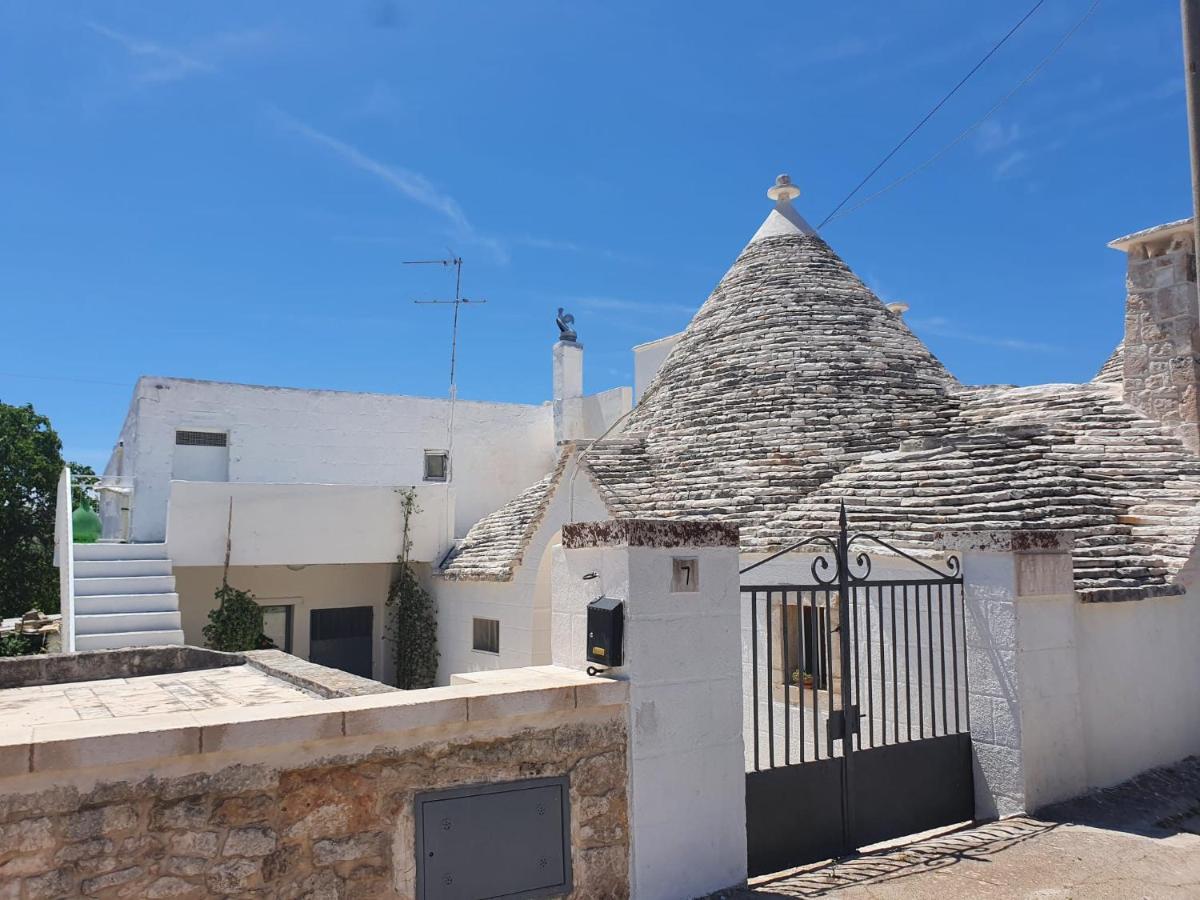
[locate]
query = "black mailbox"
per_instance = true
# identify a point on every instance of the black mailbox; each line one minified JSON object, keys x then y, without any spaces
{"x":606,"y":629}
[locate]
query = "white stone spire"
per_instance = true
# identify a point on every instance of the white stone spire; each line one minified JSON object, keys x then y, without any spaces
{"x":783,"y":220}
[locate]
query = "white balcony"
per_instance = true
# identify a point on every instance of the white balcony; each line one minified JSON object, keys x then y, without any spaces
{"x":303,"y":524}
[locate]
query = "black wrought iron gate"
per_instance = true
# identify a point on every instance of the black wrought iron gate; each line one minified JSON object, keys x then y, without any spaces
{"x":857,"y":714}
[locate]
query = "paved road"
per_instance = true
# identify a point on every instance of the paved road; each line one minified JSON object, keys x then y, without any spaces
{"x":1139,"y":840}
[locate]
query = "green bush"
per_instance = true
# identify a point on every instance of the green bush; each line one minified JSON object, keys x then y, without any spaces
{"x":13,"y":644}
{"x":237,"y":622}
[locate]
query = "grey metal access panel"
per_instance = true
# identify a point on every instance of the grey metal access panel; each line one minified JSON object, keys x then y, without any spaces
{"x":497,"y":840}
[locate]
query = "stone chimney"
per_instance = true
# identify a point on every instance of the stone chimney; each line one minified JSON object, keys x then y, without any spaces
{"x":1161,"y":367}
{"x":568,"y":391}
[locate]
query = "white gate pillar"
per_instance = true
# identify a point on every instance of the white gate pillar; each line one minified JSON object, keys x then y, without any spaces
{"x":679,"y":584}
{"x":1026,"y":721}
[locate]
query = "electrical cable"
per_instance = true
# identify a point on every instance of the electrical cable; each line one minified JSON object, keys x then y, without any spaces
{"x":975,"y":125}
{"x":929,"y":115}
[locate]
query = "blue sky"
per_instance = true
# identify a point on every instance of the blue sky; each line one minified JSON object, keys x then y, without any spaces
{"x":227,"y":191}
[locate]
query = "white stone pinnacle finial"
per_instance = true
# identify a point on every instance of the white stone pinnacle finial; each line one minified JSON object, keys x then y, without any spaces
{"x":783,"y":190}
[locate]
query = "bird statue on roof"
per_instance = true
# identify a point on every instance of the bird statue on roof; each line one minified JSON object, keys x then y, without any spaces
{"x":566,"y":330}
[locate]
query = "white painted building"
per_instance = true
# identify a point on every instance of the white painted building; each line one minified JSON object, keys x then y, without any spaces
{"x":304,"y":483}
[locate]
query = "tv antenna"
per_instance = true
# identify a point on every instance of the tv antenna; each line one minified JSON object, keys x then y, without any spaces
{"x":458,"y":301}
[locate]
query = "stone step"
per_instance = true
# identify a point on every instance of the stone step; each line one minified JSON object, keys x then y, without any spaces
{"x":167,"y":638}
{"x":120,"y":551}
{"x":99,"y":604}
{"x":125,"y":623}
{"x":113,"y":568}
{"x":125,"y":584}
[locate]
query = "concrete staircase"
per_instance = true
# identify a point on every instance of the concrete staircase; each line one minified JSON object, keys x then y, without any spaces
{"x":125,"y":597}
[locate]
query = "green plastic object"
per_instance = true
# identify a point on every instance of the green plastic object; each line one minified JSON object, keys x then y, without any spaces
{"x":85,"y":524}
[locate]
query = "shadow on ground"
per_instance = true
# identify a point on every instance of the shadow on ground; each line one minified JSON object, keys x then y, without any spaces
{"x":974,"y":844}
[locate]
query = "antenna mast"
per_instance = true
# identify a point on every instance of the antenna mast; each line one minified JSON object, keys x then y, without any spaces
{"x":457,"y":302}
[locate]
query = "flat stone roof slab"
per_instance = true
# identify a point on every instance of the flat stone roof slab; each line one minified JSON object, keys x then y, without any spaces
{"x":118,"y":698}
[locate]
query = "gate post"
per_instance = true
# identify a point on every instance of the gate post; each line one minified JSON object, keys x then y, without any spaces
{"x":1026,"y":722}
{"x":678,"y":581}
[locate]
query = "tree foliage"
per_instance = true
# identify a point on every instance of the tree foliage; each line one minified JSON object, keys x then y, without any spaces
{"x":412,"y":620}
{"x":30,"y":464}
{"x":237,"y":622}
{"x":82,"y":478}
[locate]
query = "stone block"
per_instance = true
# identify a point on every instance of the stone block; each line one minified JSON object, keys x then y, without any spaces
{"x":57,"y":883}
{"x":389,"y":713}
{"x":233,"y":876}
{"x":602,"y":692}
{"x":107,"y":742}
{"x":355,"y":847}
{"x":194,"y":843}
{"x":27,"y":835}
{"x":249,"y":842}
{"x":263,"y":726}
{"x":505,"y":704}
{"x":14,"y":751}
{"x":111,"y":879}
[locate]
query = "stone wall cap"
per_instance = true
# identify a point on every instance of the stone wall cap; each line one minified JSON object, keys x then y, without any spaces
{"x":1155,"y":233}
{"x":1014,"y":541}
{"x":662,"y":533}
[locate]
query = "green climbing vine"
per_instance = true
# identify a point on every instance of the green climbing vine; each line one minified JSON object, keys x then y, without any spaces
{"x":237,"y":622}
{"x":412,"y":620}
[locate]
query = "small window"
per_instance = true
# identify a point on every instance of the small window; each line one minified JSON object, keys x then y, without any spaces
{"x":487,"y":635}
{"x":201,"y":438}
{"x":277,"y":626}
{"x":437,"y":465}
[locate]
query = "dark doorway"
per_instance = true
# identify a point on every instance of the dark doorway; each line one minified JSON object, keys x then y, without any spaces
{"x":341,"y":639}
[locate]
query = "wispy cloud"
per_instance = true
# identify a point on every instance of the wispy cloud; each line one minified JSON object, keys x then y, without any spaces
{"x":943,"y":327}
{"x":163,"y":63}
{"x":412,"y":185}
{"x":160,"y":63}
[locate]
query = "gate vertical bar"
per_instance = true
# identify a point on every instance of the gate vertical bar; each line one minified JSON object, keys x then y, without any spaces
{"x":843,"y":545}
{"x":754,"y":667}
{"x":770,"y":690}
{"x":786,"y":654}
{"x":870,"y":691}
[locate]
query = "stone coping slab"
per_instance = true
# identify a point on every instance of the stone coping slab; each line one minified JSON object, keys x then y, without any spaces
{"x":1002,"y":541}
{"x":107,"y":742}
{"x":662,"y":533}
{"x":96,"y":665}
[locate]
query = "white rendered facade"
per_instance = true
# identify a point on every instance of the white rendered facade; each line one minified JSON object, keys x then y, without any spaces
{"x":305,"y":483}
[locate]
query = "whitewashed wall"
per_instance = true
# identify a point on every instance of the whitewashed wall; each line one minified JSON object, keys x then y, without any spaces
{"x":521,"y":605}
{"x":1139,"y":684}
{"x":301,"y":524}
{"x":287,"y":435}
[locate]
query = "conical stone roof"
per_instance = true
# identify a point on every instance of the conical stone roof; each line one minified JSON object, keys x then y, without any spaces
{"x":795,"y":390}
{"x":789,"y":371}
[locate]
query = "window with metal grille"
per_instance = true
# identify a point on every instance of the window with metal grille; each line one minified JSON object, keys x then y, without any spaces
{"x":487,"y":635}
{"x":201,"y":438}
{"x":437,"y":465}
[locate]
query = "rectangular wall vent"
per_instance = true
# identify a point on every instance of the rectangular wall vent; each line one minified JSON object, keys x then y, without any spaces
{"x":201,"y":438}
{"x":496,"y":840}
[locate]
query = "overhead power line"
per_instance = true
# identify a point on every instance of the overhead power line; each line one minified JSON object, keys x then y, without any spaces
{"x":929,"y":115}
{"x":966,"y":132}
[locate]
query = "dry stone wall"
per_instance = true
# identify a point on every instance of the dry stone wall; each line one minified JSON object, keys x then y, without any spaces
{"x":339,"y":827}
{"x":1161,"y":365}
